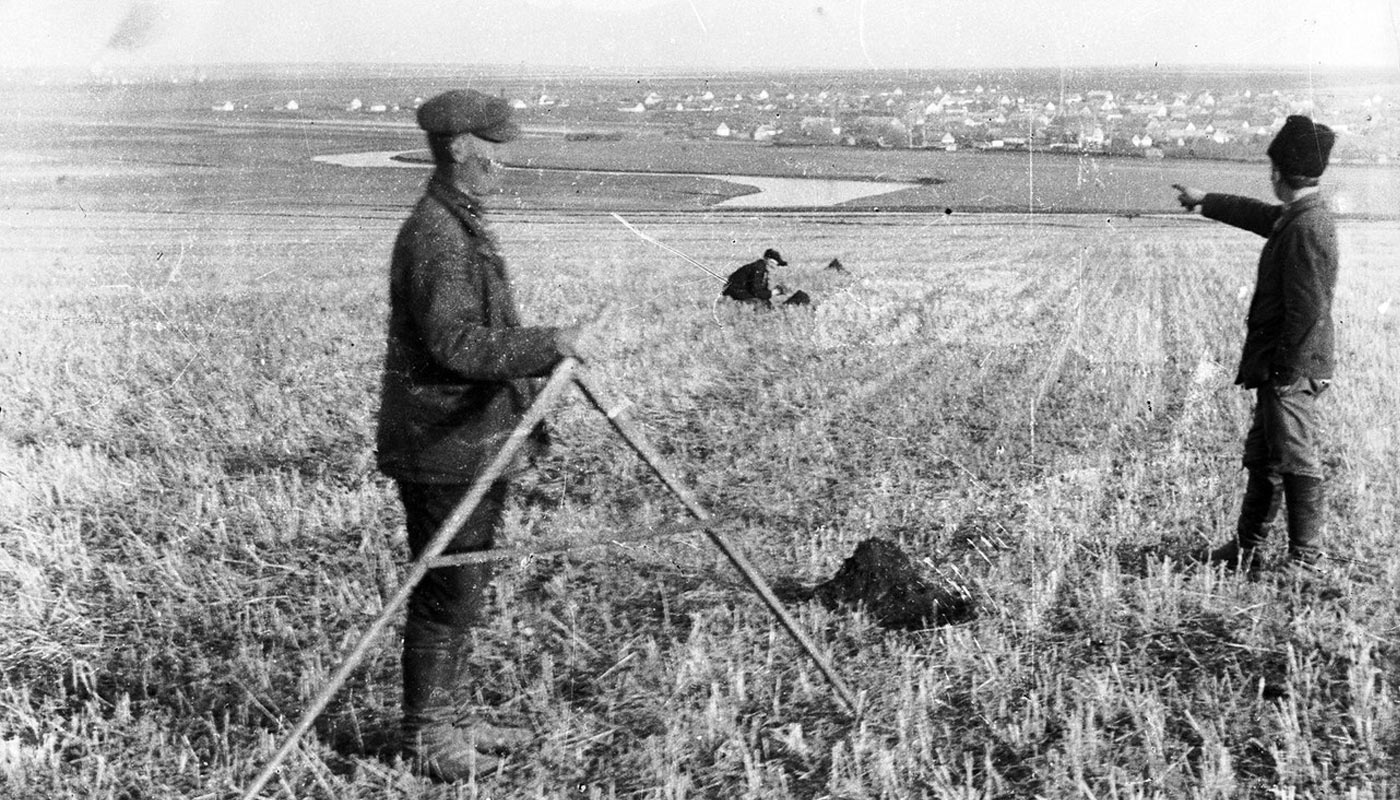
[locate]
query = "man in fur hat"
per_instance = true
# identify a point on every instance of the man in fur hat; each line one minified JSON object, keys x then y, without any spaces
{"x":1288,"y":349}
{"x":457,"y":380}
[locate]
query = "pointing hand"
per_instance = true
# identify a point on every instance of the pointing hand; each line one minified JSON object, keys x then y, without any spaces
{"x":1188,"y":197}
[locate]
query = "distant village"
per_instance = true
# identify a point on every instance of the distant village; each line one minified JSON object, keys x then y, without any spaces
{"x":1235,"y":124}
{"x":1148,"y":124}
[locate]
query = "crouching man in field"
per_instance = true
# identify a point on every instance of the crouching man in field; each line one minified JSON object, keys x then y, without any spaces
{"x":456,"y":382}
{"x":749,"y":283}
{"x":1288,"y":349}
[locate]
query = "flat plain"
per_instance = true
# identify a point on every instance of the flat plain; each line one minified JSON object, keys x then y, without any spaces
{"x":1037,"y":407}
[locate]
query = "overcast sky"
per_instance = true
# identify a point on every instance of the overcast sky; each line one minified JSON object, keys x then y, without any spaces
{"x":706,"y":34}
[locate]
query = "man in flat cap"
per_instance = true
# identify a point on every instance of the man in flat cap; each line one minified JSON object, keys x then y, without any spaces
{"x":749,"y":283}
{"x":457,"y":380}
{"x":1288,"y":348}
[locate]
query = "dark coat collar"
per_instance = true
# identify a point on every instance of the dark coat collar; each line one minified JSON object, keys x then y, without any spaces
{"x":1303,"y":203}
{"x":462,"y":205}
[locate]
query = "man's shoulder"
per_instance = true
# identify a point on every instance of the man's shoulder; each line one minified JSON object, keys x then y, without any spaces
{"x":1320,"y":211}
{"x":1313,"y":216}
{"x":429,"y":207}
{"x":431,"y":219}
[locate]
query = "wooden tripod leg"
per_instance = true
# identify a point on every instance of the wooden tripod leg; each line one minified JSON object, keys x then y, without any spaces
{"x":546,"y":399}
{"x":617,"y":416}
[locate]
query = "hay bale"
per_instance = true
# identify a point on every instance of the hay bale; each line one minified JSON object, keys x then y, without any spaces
{"x":880,"y":579}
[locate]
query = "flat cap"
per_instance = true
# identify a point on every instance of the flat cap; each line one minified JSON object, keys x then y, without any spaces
{"x":1302,"y":147}
{"x":468,"y":111}
{"x":773,"y":254}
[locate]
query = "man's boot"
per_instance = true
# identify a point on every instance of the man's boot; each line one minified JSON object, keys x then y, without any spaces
{"x":1306,"y":518}
{"x":1262,"y":495}
{"x":433,"y":657}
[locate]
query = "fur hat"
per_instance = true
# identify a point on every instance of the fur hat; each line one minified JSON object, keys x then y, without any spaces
{"x":468,"y":111}
{"x":1301,"y":147}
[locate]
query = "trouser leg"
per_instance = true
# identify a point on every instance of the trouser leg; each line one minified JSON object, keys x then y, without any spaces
{"x":442,"y":610}
{"x":1282,"y":455}
{"x":1307,"y":516}
{"x":1263,"y":494}
{"x":451,"y":596}
{"x":1292,"y":425}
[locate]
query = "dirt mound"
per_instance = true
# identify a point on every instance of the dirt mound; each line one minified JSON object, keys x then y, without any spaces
{"x":880,"y":579}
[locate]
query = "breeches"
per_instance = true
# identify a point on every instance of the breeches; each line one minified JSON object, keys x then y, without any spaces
{"x":1284,"y":434}
{"x":453,"y":596}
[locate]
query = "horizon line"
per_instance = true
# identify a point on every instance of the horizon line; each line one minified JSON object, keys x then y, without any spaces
{"x":684,"y":69}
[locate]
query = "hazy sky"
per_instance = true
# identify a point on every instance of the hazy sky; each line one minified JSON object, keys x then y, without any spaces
{"x":706,"y":34}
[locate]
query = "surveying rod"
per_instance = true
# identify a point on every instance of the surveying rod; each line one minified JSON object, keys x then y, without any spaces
{"x":547,"y":397}
{"x":653,"y":240}
{"x":617,"y":417}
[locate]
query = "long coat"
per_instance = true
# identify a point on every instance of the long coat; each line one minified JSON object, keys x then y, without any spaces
{"x":453,"y":386}
{"x":1289,"y":330}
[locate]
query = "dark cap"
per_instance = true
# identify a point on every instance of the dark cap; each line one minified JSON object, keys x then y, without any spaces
{"x":773,"y":254}
{"x":468,"y":111}
{"x":1301,"y":147}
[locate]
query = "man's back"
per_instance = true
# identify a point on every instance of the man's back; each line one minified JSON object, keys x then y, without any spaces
{"x":749,"y":282}
{"x":1290,"y":327}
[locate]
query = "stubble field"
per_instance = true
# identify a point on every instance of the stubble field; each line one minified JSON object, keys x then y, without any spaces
{"x":1038,"y":408}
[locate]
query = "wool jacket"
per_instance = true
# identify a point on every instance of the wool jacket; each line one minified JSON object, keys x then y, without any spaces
{"x":1289,"y":332}
{"x":749,"y":282}
{"x":453,"y":386}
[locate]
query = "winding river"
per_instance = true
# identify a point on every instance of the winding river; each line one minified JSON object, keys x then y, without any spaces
{"x":772,"y":192}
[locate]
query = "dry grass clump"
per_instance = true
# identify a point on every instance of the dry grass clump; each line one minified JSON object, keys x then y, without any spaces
{"x":1040,"y":414}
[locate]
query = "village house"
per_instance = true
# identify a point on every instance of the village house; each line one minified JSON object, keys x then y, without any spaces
{"x":764,"y":133}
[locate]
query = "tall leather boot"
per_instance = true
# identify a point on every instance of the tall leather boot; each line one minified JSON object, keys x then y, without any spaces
{"x":1306,"y":517}
{"x":433,"y":656}
{"x":1262,"y":495}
